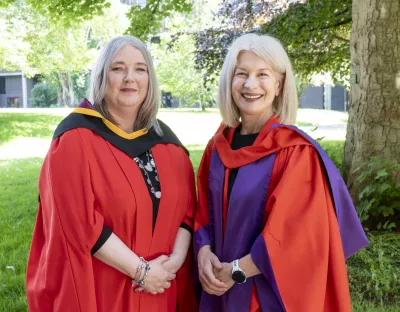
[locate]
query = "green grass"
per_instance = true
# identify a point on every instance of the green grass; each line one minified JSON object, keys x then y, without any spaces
{"x":18,"y":207}
{"x":196,"y":152}
{"x":26,"y":125}
{"x":304,"y":124}
{"x":365,"y":307}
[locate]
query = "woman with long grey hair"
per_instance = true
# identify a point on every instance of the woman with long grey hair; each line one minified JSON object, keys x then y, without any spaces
{"x":116,"y":199}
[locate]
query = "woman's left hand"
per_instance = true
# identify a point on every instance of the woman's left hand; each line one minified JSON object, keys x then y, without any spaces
{"x":174,"y":263}
{"x":225,"y":274}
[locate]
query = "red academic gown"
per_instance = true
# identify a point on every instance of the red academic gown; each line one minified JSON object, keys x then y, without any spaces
{"x":87,"y":182}
{"x":300,"y":227}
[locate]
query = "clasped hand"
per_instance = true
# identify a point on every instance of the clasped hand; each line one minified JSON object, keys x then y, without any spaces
{"x":162,"y":271}
{"x":215,"y":277}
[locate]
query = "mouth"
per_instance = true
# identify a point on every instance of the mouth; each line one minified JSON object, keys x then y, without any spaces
{"x":128,"y":90}
{"x":251,"y":96}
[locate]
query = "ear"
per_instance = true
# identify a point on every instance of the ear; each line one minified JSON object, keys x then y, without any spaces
{"x":280,"y":83}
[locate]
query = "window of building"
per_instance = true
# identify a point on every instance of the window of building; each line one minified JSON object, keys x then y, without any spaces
{"x":2,"y":85}
{"x":13,"y":102}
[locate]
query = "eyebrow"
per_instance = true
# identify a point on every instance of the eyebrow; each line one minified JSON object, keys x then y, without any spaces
{"x":240,"y":68}
{"x":123,"y":63}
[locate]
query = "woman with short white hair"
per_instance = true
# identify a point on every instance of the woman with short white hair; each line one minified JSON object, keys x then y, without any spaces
{"x":274,"y":221}
{"x":117,"y":198}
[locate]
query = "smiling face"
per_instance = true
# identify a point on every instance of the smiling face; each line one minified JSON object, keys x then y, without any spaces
{"x":254,"y":85}
{"x":128,"y":80}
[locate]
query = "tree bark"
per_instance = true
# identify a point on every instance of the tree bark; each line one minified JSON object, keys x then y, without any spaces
{"x":374,"y":110}
{"x":67,"y":95}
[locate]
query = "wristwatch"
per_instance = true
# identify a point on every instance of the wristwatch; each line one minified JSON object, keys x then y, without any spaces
{"x":238,"y":274}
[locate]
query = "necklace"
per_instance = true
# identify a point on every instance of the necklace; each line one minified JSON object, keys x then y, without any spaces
{"x":146,"y":168}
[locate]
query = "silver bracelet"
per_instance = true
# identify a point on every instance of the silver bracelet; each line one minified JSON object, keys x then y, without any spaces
{"x":139,"y":270}
{"x":146,"y":271}
{"x":137,"y":280}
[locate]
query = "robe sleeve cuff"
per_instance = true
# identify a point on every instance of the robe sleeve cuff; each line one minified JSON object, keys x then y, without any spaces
{"x":104,"y":236}
{"x":201,"y":238}
{"x":259,"y":255}
{"x":187,"y":227}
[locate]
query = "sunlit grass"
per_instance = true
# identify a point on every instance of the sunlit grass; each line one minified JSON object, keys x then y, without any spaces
{"x":18,"y":207}
{"x":26,"y":125}
{"x":196,"y":152}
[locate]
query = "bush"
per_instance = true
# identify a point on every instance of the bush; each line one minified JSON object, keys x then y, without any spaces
{"x":335,"y":150}
{"x":379,"y":200}
{"x":43,"y":95}
{"x":374,"y":272}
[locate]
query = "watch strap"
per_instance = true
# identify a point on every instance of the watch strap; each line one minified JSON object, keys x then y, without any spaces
{"x":235,"y":265}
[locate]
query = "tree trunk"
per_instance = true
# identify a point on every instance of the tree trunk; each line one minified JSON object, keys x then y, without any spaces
{"x":374,"y":112}
{"x":67,"y":96}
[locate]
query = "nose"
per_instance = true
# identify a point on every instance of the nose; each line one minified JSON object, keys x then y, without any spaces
{"x":250,"y":82}
{"x":129,"y":75}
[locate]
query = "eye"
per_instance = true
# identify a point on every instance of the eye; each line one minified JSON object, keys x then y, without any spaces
{"x":116,"y":68}
{"x":140,"y":69}
{"x":264,"y":74}
{"x":240,"y":74}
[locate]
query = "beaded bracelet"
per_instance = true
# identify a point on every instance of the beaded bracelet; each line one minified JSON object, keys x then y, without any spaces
{"x":137,"y":280}
{"x":139,"y":270}
{"x":146,"y":271}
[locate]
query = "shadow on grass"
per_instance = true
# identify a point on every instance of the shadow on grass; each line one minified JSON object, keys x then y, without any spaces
{"x":26,"y":125}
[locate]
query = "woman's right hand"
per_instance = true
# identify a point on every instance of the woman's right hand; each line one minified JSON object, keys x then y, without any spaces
{"x":207,"y":260}
{"x":158,"y":278}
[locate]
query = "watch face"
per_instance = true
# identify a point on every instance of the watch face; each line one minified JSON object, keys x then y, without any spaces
{"x":239,"y":277}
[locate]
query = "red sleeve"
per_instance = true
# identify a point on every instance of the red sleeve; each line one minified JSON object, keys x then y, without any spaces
{"x":186,"y":300}
{"x":201,"y":237}
{"x":59,"y":273}
{"x":190,"y":182}
{"x":302,"y":236}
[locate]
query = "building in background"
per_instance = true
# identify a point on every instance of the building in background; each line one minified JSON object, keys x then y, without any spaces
{"x":15,"y":89}
{"x":325,"y":97}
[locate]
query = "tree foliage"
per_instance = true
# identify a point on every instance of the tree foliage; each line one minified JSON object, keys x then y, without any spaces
{"x":147,"y":20}
{"x":177,"y":73}
{"x":231,"y":20}
{"x":144,"y":20}
{"x":315,"y":34}
{"x":65,"y":12}
{"x":36,"y":44}
{"x":175,"y":57}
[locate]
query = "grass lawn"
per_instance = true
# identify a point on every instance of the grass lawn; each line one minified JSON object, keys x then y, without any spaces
{"x":18,"y":206}
{"x":26,"y":125}
{"x":18,"y":194}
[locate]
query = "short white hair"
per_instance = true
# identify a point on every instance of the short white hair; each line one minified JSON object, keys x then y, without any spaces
{"x":146,"y":117}
{"x":271,"y":51}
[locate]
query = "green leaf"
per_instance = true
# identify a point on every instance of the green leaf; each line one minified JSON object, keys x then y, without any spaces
{"x":381,"y":173}
{"x":384,"y":187}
